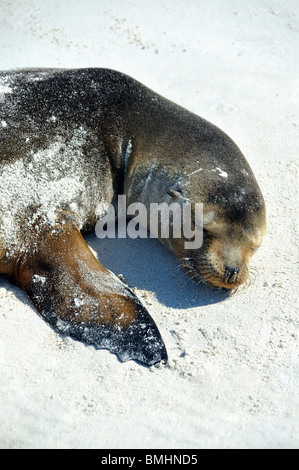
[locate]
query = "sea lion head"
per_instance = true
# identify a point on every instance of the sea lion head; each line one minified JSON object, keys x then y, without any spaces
{"x":233,"y":225}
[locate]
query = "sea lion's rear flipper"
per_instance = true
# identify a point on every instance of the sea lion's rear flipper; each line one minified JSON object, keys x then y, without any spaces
{"x":81,"y":298}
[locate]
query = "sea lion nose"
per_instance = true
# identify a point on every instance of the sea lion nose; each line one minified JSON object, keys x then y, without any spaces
{"x":231,"y":273}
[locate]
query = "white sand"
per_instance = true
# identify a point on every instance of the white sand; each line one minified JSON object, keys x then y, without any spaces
{"x":232,"y":377}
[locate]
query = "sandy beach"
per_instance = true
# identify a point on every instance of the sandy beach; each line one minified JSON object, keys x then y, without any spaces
{"x":232,"y":378}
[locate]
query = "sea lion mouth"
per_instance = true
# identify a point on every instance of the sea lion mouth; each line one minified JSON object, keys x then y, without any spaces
{"x":203,"y":271}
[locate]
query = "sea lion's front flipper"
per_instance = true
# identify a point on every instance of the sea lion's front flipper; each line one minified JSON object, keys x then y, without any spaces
{"x":81,"y":298}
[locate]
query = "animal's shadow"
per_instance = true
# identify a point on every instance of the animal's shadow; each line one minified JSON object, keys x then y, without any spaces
{"x":148,"y":265}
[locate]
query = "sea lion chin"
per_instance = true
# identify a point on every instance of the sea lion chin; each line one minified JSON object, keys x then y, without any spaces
{"x":73,"y":139}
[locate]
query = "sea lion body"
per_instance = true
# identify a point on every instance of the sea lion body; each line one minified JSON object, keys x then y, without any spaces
{"x":73,"y":139}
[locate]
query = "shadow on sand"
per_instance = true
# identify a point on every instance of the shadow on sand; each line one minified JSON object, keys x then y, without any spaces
{"x":148,"y":265}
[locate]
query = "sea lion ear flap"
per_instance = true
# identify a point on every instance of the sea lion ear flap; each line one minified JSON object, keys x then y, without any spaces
{"x":174,"y":194}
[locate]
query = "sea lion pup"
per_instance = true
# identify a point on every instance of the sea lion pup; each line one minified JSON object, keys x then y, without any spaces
{"x":71,"y":139}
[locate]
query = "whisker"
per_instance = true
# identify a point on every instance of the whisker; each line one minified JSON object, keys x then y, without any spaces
{"x":207,"y":275}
